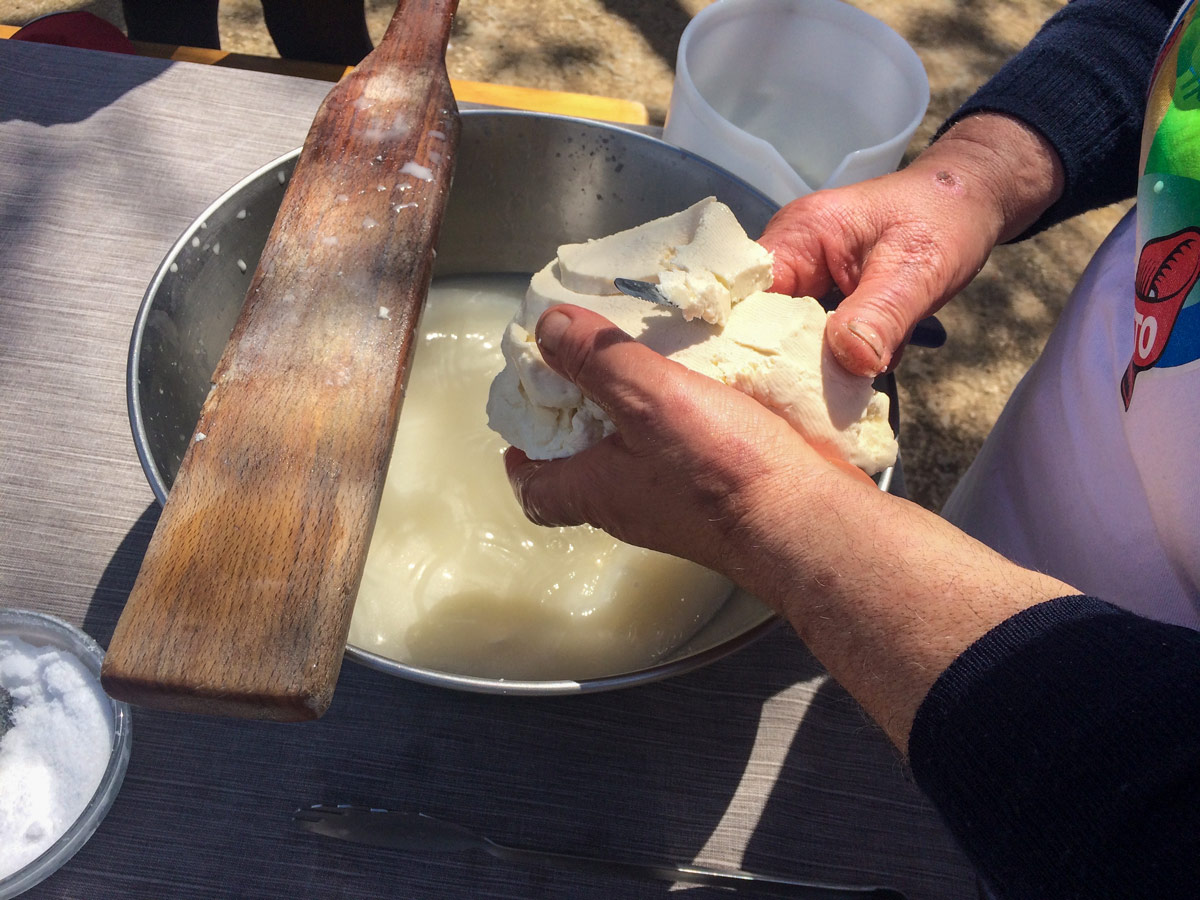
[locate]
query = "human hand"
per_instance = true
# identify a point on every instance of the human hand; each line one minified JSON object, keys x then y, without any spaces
{"x":696,"y":468}
{"x":902,"y":245}
{"x":884,"y":592}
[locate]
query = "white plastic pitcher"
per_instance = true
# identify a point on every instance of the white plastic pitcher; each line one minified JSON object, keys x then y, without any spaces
{"x":795,"y":95}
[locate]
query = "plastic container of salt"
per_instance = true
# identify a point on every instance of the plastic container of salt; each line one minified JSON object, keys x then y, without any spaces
{"x":64,"y":751}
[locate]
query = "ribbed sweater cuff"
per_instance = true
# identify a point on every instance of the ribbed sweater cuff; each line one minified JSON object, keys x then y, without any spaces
{"x":1082,"y":83}
{"x":1062,"y":749}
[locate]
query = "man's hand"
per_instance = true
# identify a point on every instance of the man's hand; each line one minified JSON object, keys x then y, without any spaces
{"x":696,"y":469}
{"x":885,"y":593}
{"x":902,"y":245}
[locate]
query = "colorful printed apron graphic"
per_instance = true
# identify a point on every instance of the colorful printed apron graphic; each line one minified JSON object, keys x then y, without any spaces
{"x":1167,"y":270}
{"x":1166,"y":301}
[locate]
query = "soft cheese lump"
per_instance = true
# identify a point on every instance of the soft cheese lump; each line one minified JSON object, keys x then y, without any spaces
{"x":701,"y":257}
{"x":458,"y":580}
{"x":770,"y":346}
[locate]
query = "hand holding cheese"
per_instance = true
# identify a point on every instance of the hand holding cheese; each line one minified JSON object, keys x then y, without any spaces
{"x":883,"y":592}
{"x":768,"y":346}
{"x":695,"y":468}
{"x":900,"y":246}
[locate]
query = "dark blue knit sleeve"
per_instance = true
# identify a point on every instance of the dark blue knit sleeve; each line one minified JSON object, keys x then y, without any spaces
{"x":1082,"y":84}
{"x":1063,"y":750}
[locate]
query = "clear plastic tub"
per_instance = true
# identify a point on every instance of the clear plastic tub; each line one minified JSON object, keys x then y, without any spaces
{"x":795,"y":95}
{"x":42,"y":630}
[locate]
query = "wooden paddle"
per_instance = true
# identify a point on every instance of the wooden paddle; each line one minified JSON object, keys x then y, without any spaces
{"x":243,"y":601}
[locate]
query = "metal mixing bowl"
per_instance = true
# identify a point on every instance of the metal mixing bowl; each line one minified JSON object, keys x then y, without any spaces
{"x":524,"y":183}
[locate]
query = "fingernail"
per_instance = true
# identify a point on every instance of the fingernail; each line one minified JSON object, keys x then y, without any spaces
{"x":550,"y":329}
{"x":868,"y":336}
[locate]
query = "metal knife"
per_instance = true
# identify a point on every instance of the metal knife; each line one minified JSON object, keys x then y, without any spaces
{"x":419,"y":832}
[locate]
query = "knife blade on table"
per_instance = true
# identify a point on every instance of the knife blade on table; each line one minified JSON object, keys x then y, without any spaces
{"x":400,"y":830}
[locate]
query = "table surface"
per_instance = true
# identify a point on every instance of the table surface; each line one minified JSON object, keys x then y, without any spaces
{"x":759,"y":760}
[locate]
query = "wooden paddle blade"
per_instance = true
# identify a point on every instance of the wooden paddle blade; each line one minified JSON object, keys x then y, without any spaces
{"x":243,"y":602}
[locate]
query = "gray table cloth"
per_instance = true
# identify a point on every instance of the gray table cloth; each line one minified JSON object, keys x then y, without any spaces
{"x":759,"y":760}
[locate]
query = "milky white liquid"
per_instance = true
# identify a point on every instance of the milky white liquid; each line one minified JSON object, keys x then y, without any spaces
{"x":457,"y":579}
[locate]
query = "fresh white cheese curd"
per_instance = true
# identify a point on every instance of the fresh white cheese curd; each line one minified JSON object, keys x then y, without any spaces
{"x":769,"y":346}
{"x":457,"y":579}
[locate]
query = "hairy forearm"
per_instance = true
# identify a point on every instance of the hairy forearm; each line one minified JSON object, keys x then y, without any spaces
{"x":900,"y":246}
{"x":1082,"y":83}
{"x":997,"y":165}
{"x":883,"y":592}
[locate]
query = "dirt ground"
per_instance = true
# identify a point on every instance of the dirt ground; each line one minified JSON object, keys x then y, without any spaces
{"x":949,"y":398}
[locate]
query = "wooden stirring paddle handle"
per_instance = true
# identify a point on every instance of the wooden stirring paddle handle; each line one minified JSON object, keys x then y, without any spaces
{"x":243,"y":601}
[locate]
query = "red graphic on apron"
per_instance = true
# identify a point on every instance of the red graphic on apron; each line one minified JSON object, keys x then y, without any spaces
{"x":1167,"y":270}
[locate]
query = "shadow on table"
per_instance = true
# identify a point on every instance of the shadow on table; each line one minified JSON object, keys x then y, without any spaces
{"x":117,"y":579}
{"x":648,"y":773}
{"x":95,"y":81}
{"x":46,"y":85}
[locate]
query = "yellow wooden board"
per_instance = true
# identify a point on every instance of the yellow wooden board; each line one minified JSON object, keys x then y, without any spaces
{"x":563,"y":103}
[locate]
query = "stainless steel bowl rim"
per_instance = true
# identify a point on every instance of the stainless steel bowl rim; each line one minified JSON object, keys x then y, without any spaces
{"x":506,"y":686}
{"x":157,"y":483}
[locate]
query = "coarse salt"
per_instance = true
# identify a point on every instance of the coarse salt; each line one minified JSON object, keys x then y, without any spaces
{"x":53,"y":757}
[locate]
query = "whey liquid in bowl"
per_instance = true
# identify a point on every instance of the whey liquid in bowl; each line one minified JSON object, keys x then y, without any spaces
{"x":457,"y":580}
